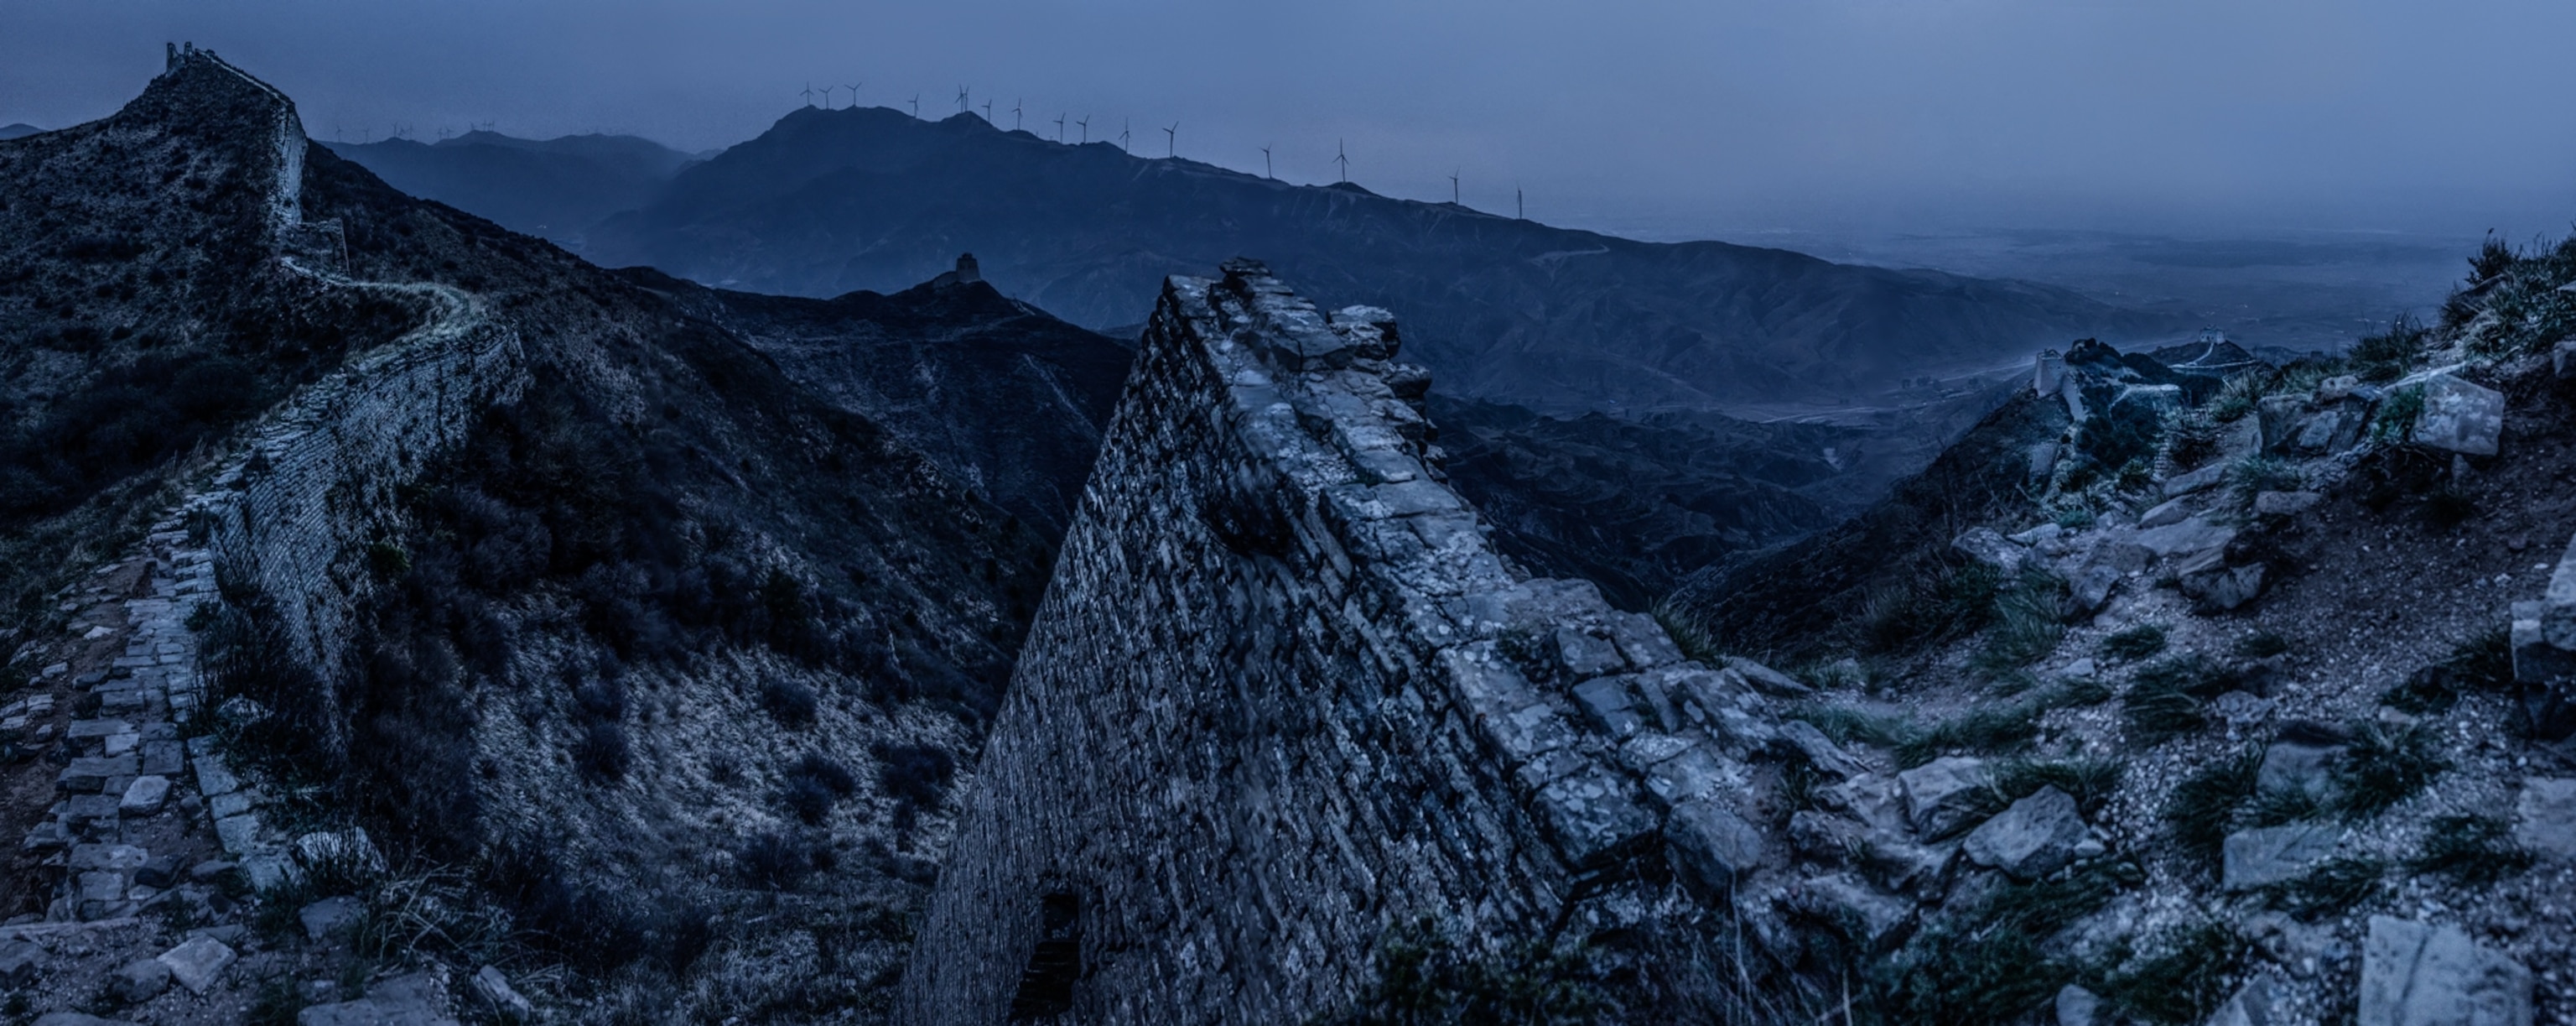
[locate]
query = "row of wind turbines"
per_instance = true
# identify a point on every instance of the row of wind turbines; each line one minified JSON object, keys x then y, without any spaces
{"x":1171,"y":133}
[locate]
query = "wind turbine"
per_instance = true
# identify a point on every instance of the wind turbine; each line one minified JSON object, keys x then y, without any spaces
{"x":1453,"y":188}
{"x":1059,"y":128}
{"x":1343,"y":157}
{"x":1172,"y":140}
{"x":916,"y":106}
{"x":1520,"y":209}
{"x":854,"y":93}
{"x":1015,"y":115}
{"x":988,"y":112}
{"x":962,"y":105}
{"x":807,"y":94}
{"x":1123,"y":125}
{"x":1265,"y":163}
{"x":1086,"y":129}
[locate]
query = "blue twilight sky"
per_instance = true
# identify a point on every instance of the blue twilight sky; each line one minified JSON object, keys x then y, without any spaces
{"x":1669,"y":117}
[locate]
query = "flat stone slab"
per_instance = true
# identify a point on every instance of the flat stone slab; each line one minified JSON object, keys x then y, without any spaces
{"x":144,"y":796}
{"x":2189,"y":537}
{"x":92,"y":772}
{"x":197,"y":963}
{"x":240,"y":834}
{"x":2418,"y":974}
{"x":2270,"y":855}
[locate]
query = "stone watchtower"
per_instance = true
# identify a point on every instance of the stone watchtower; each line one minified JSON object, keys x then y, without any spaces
{"x":965,"y":274}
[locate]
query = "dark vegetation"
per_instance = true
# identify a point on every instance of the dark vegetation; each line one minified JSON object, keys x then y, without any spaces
{"x":2135,"y":643}
{"x":2473,"y":851}
{"x":1984,"y":964}
{"x":1887,"y":579}
{"x":1636,"y":505}
{"x":1426,"y":979}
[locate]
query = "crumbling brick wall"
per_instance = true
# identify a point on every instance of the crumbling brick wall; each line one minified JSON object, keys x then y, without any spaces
{"x":1282,"y":697}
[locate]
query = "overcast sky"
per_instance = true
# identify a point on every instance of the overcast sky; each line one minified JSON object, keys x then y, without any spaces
{"x":2197,"y":115}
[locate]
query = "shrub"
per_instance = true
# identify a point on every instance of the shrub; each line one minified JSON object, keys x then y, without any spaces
{"x":914,"y":774}
{"x":2202,"y":809}
{"x":601,"y":752}
{"x":815,"y":784}
{"x":2156,"y":709}
{"x":1904,"y":616}
{"x":2135,"y":643}
{"x":2238,"y":397}
{"x":2397,"y":415}
{"x":2473,"y":851}
{"x":2382,"y":767}
{"x":1424,"y":979}
{"x":1986,"y":964}
{"x":2089,"y":781}
{"x":2191,"y":438}
{"x":2283,"y":805}
{"x":789,"y":702}
{"x":2262,"y":644}
{"x":2385,"y":356}
{"x":776,"y":862}
{"x":2334,"y":886}
{"x":1846,"y":725}
{"x":2254,"y":474}
{"x":2183,"y":984}
{"x":2026,"y":623}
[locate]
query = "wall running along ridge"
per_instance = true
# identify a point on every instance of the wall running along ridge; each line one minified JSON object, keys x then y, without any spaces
{"x":292,"y":514}
{"x":1282,"y":697}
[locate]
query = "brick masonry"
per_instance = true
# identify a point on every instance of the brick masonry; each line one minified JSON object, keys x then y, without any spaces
{"x":1282,"y":697}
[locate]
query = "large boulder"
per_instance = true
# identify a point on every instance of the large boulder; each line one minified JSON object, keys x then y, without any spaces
{"x":2460,"y":416}
{"x":2270,"y":855}
{"x":2418,"y":974}
{"x":2035,"y":837}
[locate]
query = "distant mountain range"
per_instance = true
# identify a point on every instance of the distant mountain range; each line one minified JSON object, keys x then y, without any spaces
{"x":20,"y":130}
{"x":1565,"y":321}
{"x":554,"y":188}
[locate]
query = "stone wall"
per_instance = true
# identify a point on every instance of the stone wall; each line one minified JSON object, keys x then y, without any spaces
{"x":1281,"y":697}
{"x":295,"y":513}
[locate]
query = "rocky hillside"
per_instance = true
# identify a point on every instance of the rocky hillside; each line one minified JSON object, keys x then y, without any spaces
{"x":403,"y":598}
{"x":1502,"y":309}
{"x":2170,"y":697}
{"x":555,"y":189}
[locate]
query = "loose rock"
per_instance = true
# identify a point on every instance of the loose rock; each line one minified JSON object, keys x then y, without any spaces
{"x":140,"y":980}
{"x":2546,"y":820}
{"x":2270,"y":855}
{"x":2033,"y":838}
{"x":2417,"y":974}
{"x":198,"y":962}
{"x":1941,"y":796}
